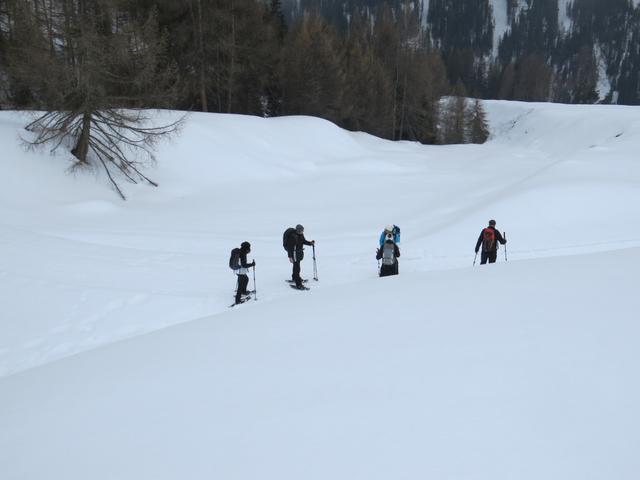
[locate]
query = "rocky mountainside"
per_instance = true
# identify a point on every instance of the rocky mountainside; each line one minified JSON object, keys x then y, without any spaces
{"x":576,"y":51}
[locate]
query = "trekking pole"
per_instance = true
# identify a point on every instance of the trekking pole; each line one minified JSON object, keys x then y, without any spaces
{"x":255,"y":289}
{"x":378,"y":267}
{"x":505,"y":246}
{"x":315,"y":267}
{"x":474,"y":259}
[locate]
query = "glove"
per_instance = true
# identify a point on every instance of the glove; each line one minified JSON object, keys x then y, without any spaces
{"x":476,"y":251}
{"x":313,"y":242}
{"x":291,"y":259}
{"x":253,"y":264}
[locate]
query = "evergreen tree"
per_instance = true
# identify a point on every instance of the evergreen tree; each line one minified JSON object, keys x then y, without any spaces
{"x":463,"y":31}
{"x":533,"y":79}
{"x":423,"y":86}
{"x":629,"y":81}
{"x":454,"y":119}
{"x":313,"y":78}
{"x":582,"y":80}
{"x":367,"y":102}
{"x":4,"y":44}
{"x":477,"y":127}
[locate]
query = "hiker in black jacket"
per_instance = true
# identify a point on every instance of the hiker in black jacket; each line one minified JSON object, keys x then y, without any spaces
{"x":388,"y":253}
{"x":488,"y":239}
{"x":243,"y":278}
{"x":295,"y":250}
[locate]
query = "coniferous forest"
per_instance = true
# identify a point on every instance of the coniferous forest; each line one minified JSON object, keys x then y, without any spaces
{"x":397,"y":69}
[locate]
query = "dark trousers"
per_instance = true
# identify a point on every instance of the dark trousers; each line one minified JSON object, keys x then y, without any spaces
{"x":295,"y":274}
{"x":243,"y":281}
{"x":491,"y":256}
{"x":386,"y":270}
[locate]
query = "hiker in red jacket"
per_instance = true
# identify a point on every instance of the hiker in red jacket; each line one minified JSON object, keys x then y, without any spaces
{"x":488,"y":239}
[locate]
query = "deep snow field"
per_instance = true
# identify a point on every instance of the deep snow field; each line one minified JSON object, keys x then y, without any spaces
{"x":119,"y":358}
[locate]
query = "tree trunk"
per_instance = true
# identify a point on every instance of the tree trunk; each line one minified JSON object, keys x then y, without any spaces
{"x":233,"y":60}
{"x":82,"y":146}
{"x":403,"y":105}
{"x":394,"y":116}
{"x":204,"y":103}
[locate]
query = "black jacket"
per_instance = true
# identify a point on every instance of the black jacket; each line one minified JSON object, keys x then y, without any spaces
{"x":243,"y":259}
{"x":295,"y":246}
{"x":498,"y":236}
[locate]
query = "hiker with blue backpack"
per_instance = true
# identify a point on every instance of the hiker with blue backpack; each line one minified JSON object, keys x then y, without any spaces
{"x":238,"y":263}
{"x":388,"y":254}
{"x":488,"y":240}
{"x":394,"y":230}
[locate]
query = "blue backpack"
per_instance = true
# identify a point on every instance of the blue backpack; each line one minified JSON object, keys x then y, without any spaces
{"x":396,"y":235}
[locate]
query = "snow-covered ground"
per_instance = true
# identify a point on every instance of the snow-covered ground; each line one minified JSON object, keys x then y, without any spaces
{"x":121,"y":359}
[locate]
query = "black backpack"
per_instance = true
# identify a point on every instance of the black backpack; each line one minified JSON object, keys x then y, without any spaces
{"x":287,"y":237}
{"x":234,"y":259}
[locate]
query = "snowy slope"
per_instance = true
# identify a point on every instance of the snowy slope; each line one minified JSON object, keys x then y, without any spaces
{"x":521,"y":370}
{"x":80,"y":268}
{"x":526,"y":370}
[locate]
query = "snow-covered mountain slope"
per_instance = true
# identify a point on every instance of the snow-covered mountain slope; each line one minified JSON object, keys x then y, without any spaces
{"x":80,"y":268}
{"x":523,"y":369}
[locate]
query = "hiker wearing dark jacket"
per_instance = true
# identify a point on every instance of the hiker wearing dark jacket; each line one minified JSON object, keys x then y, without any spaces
{"x":488,"y":240}
{"x":243,"y":278}
{"x":295,"y":251}
{"x":388,"y":253}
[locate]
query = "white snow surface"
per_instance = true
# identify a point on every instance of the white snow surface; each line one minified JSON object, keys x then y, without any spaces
{"x":121,"y":359}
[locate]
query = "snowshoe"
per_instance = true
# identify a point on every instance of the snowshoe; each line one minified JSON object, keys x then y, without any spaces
{"x":242,"y":300}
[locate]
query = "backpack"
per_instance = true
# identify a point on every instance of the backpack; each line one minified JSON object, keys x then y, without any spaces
{"x":287,"y":237}
{"x":488,"y":239}
{"x":388,"y":254}
{"x":234,"y":259}
{"x":396,"y":234}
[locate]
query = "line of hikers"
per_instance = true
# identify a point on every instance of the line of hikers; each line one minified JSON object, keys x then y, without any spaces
{"x":293,"y":241}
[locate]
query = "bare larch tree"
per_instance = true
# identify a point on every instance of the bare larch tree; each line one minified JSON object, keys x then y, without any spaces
{"x":94,"y":68}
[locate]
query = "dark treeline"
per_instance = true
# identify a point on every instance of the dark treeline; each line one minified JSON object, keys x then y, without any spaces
{"x":384,"y":77}
{"x":536,"y":59}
